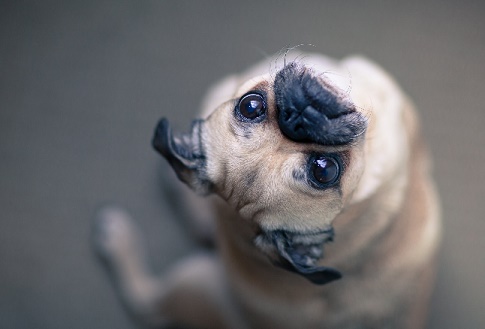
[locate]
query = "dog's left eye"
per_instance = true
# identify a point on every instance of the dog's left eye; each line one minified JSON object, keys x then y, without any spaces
{"x":324,"y":171}
{"x":251,"y":107}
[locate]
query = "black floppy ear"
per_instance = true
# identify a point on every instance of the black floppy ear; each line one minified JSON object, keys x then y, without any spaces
{"x":299,"y":254}
{"x":184,"y":152}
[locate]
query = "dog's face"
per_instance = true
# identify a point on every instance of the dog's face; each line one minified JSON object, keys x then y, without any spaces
{"x":287,"y":151}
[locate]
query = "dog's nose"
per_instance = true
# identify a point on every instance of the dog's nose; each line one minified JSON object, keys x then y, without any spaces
{"x":310,"y":110}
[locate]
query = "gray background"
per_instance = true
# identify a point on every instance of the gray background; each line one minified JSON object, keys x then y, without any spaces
{"x":82,"y":84}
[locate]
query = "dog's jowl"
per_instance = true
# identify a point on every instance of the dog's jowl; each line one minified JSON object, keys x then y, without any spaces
{"x":325,"y":215}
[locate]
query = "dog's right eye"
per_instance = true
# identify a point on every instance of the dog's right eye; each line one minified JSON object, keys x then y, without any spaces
{"x":324,"y":171}
{"x":251,"y":107}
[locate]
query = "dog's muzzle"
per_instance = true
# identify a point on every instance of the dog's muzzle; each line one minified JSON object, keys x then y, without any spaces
{"x":310,"y":111}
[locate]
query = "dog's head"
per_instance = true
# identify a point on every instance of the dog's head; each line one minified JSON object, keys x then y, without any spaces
{"x":288,"y":152}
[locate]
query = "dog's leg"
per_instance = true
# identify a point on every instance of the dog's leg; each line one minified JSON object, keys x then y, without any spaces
{"x":192,"y":294}
{"x":118,"y":245}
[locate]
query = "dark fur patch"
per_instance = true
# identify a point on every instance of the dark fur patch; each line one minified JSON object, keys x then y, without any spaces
{"x":250,"y":178}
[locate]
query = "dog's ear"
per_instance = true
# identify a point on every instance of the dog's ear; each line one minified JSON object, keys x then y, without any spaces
{"x":299,"y":254}
{"x":185,"y":154}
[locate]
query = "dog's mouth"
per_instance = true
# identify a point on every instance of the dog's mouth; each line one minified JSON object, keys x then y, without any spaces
{"x":299,"y":253}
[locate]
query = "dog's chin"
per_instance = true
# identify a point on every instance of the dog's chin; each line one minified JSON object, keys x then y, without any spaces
{"x":299,"y":253}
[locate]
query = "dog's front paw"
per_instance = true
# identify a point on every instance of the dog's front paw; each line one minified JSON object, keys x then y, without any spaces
{"x":114,"y":234}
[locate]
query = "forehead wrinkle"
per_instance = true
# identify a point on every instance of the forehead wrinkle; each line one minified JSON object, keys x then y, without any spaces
{"x":256,"y":84}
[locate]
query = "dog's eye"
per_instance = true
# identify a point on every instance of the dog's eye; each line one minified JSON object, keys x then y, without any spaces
{"x":251,"y":107}
{"x":324,"y":171}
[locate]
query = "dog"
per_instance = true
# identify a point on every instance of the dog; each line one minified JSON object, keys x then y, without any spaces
{"x":326,"y":215}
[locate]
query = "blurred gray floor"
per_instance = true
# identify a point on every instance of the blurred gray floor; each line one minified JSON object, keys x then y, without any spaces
{"x":82,"y":84}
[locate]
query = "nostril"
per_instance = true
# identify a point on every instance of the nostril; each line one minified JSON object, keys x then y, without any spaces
{"x":296,"y":122}
{"x":288,"y":114}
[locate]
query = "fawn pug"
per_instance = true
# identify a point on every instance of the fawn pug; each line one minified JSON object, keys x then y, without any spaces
{"x":326,"y":218}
